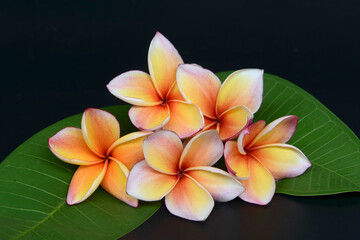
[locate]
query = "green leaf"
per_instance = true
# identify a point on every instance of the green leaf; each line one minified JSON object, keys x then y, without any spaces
{"x":332,"y":148}
{"x":33,"y":188}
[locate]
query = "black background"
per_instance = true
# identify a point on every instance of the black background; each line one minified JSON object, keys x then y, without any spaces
{"x":57,"y":57}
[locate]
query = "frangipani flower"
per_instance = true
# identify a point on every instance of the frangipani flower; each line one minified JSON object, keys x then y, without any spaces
{"x":229,"y":107}
{"x":183,"y":174}
{"x":260,"y":156}
{"x":103,"y":156}
{"x":158,"y":102}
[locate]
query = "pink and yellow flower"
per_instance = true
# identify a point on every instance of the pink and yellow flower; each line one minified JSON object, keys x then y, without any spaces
{"x":260,"y":157}
{"x":103,"y":156}
{"x":183,"y":175}
{"x":156,"y":97}
{"x":229,"y":107}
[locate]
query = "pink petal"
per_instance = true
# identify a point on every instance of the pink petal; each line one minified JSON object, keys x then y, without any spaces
{"x":205,"y":149}
{"x":243,"y":87}
{"x":218,"y":183}
{"x":135,"y":87}
{"x":278,"y":131}
{"x":129,"y":148}
{"x":69,"y":145}
{"x":85,"y":181}
{"x":248,"y":134}
{"x":100,"y":130}
{"x":242,"y":135}
{"x":234,"y":120}
{"x":149,"y":118}
{"x":252,"y":131}
{"x":163,"y":59}
{"x":209,"y":124}
{"x":236,"y":163}
{"x":260,"y":186}
{"x":114,"y":182}
{"x":185,"y":119}
{"x":189,"y":200}
{"x":174,"y":93}
{"x":282,"y":160}
{"x":199,"y":86}
{"x":147,"y":184}
{"x":162,"y":151}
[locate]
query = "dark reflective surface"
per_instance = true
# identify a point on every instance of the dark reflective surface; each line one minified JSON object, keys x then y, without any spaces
{"x":56,"y":58}
{"x":286,"y":217}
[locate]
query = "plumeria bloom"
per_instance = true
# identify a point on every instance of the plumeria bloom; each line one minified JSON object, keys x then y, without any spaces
{"x":183,"y":175}
{"x":156,"y":97}
{"x":260,"y":157}
{"x":229,"y":107}
{"x":103,"y":156}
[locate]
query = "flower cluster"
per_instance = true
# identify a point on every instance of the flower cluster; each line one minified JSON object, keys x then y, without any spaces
{"x":176,"y":102}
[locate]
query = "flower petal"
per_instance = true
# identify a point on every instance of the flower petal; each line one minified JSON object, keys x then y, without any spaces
{"x":163,"y":59}
{"x":282,"y":160}
{"x":147,"y":184}
{"x":199,"y":86}
{"x":100,"y":130}
{"x":85,"y":181}
{"x":128,"y":149}
{"x":174,"y":93}
{"x":249,"y":134}
{"x":189,"y":200}
{"x":205,"y":149}
{"x":162,"y":151}
{"x":278,"y":131}
{"x":218,"y":183}
{"x":134,"y":87}
{"x":260,"y":186}
{"x":233,"y":121}
{"x":185,"y":119}
{"x":69,"y":145}
{"x":236,"y":163}
{"x":241,"y":147}
{"x":114,"y":182}
{"x":149,"y":118}
{"x":209,"y":124}
{"x":243,"y":87}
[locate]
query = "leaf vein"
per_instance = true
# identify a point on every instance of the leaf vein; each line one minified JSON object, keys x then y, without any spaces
{"x":318,"y":165}
{"x":33,"y":199}
{"x":28,"y":185}
{"x":40,"y":222}
{"x":46,"y":160}
{"x":47,"y":175}
{"x":22,"y":209}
